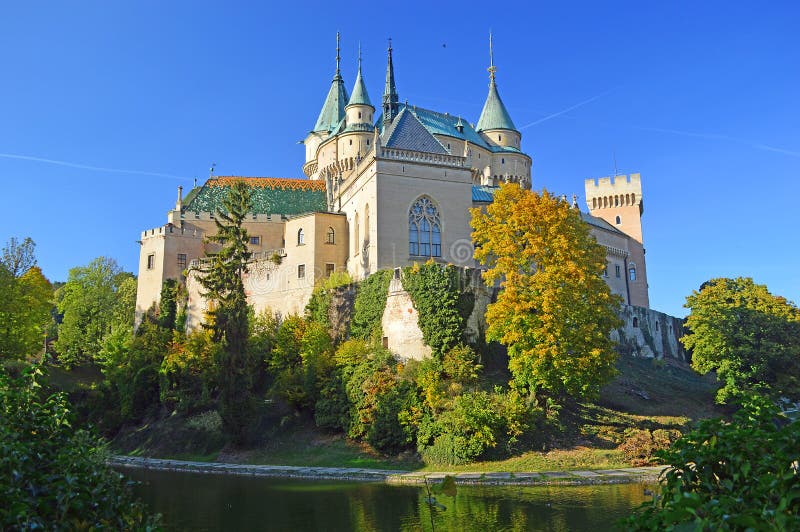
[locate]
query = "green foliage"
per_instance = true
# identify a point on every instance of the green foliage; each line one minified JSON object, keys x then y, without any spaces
{"x":25,"y":305}
{"x":222,"y":280}
{"x":476,"y":424}
{"x":95,"y":299}
{"x":737,"y":475}
{"x":641,"y":445}
{"x":387,"y":433}
{"x":436,"y":293}
{"x":319,"y":305}
{"x":17,"y":258}
{"x":53,"y":476}
{"x":369,"y":305}
{"x":555,"y":312}
{"x":300,"y":361}
{"x":188,"y":372}
{"x":168,"y":305}
{"x":750,"y":337}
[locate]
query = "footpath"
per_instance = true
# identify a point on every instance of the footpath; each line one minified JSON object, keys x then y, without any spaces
{"x":627,"y":475}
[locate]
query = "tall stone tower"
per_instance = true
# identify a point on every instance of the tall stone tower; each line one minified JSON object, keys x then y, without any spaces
{"x":618,"y":201}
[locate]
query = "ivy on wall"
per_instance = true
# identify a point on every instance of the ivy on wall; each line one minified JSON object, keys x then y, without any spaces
{"x":369,"y":305}
{"x":441,"y":301}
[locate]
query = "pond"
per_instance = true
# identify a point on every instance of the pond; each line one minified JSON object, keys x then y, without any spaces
{"x":192,"y":501}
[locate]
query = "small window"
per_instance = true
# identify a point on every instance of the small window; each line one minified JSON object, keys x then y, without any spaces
{"x":617,"y":271}
{"x":632,"y":273}
{"x":301,"y":271}
{"x":329,"y":269}
{"x":196,"y":215}
{"x":499,"y":138}
{"x":367,"y":142}
{"x":151,"y":261}
{"x":255,"y":216}
{"x":503,"y":160}
{"x":301,"y":237}
{"x":255,"y":240}
{"x":182,"y":261}
{"x":359,"y":114}
{"x":635,"y":322}
{"x":330,"y":236}
{"x":351,"y":142}
{"x":619,"y":220}
{"x":656,"y":326}
{"x":386,"y":342}
{"x":605,"y":271}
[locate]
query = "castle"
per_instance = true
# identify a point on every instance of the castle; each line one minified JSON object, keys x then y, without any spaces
{"x":380,"y":191}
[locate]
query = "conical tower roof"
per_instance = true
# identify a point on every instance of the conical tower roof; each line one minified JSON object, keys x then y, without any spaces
{"x":359,"y":95}
{"x":390,"y":100}
{"x":333,"y":109}
{"x":494,"y":114}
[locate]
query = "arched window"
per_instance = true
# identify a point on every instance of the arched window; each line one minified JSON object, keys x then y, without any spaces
{"x":301,"y":237}
{"x":355,"y":234}
{"x":330,"y":236}
{"x":366,"y":223}
{"x":619,"y":220}
{"x":632,"y":272}
{"x":424,"y":229}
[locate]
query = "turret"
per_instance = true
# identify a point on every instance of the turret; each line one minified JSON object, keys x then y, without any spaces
{"x":618,"y":201}
{"x":333,"y":111}
{"x":359,"y":108}
{"x":495,"y":124}
{"x":390,"y":100}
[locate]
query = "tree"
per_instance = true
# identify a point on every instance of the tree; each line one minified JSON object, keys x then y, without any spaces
{"x":95,"y":300}
{"x":25,"y":301}
{"x":750,"y":337}
{"x":18,"y":257}
{"x":52,"y":475}
{"x":228,"y":318}
{"x":721,"y":478}
{"x":554,"y":311}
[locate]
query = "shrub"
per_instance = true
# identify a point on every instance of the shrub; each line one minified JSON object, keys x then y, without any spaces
{"x":737,"y":475}
{"x":369,"y":305}
{"x":640,"y":446}
{"x":53,"y":476}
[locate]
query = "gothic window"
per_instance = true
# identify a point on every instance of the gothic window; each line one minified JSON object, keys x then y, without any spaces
{"x":330,"y":236}
{"x":632,"y":272}
{"x":301,"y":237}
{"x":424,"y":229}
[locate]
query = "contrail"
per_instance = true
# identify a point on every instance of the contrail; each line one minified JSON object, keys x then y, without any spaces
{"x":87,"y":166}
{"x":568,"y":109}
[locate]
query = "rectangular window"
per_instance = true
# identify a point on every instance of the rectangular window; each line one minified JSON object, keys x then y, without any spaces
{"x":301,"y":271}
{"x":182,"y":261}
{"x":329,"y":269}
{"x":605,"y":271}
{"x":255,"y":240}
{"x":616,"y":270}
{"x":151,"y":261}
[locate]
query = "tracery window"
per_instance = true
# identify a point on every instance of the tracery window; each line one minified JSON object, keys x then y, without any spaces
{"x":424,"y":229}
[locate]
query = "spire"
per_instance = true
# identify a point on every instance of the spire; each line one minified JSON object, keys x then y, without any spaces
{"x":333,"y":109}
{"x":359,"y":95}
{"x":494,"y":114}
{"x":390,"y":99}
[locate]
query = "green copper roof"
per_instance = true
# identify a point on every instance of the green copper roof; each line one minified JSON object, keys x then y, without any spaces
{"x":333,"y":108}
{"x":359,"y":96}
{"x":269,"y":195}
{"x":494,"y":114}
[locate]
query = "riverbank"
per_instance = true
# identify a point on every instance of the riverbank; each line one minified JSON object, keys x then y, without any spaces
{"x":388,"y":476}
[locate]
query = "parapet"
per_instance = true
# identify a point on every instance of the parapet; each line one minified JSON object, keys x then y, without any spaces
{"x":623,"y":183}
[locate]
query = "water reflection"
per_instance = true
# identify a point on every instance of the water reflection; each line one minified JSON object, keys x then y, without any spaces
{"x":191,"y":501}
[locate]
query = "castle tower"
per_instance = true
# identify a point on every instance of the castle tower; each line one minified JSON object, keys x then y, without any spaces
{"x":359,"y":109}
{"x":390,"y":99}
{"x":618,"y":201}
{"x":495,"y":123}
{"x":332,"y":111}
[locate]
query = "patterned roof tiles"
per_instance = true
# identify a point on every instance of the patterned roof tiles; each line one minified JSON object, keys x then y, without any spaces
{"x":270,"y":195}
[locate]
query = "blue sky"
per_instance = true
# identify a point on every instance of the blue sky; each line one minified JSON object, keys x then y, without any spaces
{"x":701,"y":98}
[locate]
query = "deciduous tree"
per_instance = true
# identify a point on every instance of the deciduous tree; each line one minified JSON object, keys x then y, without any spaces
{"x":554,"y":311}
{"x":750,"y":337}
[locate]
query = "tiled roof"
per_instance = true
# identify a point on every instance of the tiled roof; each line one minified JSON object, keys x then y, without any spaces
{"x":270,"y":195}
{"x":494,"y":114}
{"x":408,"y":133}
{"x":445,"y":124}
{"x":483,"y":193}
{"x":359,"y":96}
{"x":333,"y":109}
{"x":599,"y":222}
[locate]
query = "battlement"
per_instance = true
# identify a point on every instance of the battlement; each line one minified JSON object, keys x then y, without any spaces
{"x":172,"y":230}
{"x":619,"y":183}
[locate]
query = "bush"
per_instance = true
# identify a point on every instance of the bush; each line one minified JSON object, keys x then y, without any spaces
{"x":52,"y":476}
{"x":737,"y":475}
{"x":640,"y":446}
{"x":369,"y":305}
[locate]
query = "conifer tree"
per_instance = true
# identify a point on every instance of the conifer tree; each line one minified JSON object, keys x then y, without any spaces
{"x":222,"y":280}
{"x":554,"y":311}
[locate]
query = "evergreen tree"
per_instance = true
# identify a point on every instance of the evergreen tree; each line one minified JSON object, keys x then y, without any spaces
{"x":227,"y":319}
{"x":554,"y":312}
